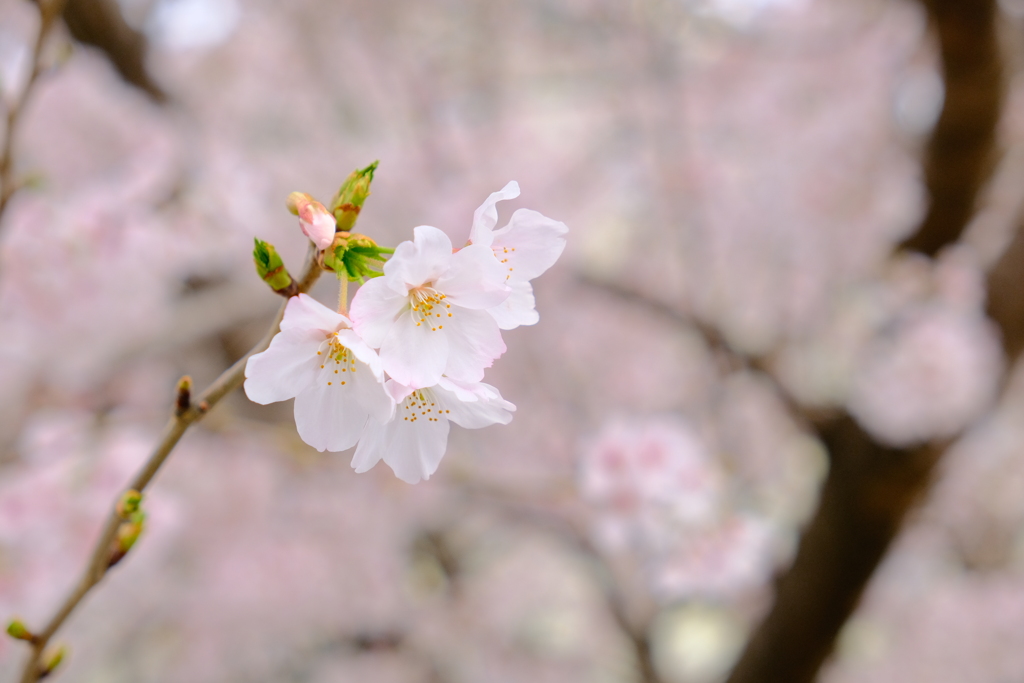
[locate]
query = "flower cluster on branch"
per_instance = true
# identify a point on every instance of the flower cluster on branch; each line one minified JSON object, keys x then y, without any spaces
{"x":409,"y":358}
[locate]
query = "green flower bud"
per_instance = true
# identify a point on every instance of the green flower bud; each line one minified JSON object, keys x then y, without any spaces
{"x":350,"y":196}
{"x":270,"y":268}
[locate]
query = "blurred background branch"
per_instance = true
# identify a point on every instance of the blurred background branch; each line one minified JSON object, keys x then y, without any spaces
{"x":100,"y":23}
{"x":49,"y":11}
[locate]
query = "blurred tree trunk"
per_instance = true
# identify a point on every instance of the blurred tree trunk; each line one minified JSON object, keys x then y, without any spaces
{"x":870,"y":487}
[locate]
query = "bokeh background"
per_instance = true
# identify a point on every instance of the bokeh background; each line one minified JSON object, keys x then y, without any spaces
{"x":738,"y":177}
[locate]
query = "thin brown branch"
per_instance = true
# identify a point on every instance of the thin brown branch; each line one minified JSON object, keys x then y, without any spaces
{"x":49,"y":10}
{"x":99,"y":561}
{"x":962,"y":149}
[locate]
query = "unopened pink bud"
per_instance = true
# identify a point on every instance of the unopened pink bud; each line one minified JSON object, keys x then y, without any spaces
{"x":316,"y":221}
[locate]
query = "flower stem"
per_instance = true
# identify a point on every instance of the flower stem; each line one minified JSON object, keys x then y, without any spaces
{"x":343,"y":295}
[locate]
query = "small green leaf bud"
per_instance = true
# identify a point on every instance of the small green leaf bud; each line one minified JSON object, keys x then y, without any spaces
{"x":270,"y":268}
{"x":127,"y":534}
{"x":52,"y":659}
{"x":130,"y":530}
{"x":350,"y":197}
{"x":129,"y":503}
{"x":17,"y":629}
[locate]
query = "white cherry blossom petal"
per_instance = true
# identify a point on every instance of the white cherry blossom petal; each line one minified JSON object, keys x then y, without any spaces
{"x":371,"y":394}
{"x":475,"y":280}
{"x":330,"y":417}
{"x":486,"y":215}
{"x":487,"y":409}
{"x":414,"y":354}
{"x":529,"y":244}
{"x":371,"y":447}
{"x":375,"y":308}
{"x":286,"y":368}
{"x":415,"y":451}
{"x":361,"y":350}
{"x":474,"y":342}
{"x":423,"y":260}
{"x":518,"y":309}
{"x":414,"y":441}
{"x":303,"y":312}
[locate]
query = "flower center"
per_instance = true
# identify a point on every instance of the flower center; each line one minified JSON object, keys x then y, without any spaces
{"x":336,"y":361}
{"x":429,"y":308}
{"x":421,"y":405}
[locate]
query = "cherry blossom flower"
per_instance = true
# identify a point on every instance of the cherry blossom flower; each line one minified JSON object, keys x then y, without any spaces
{"x":526,"y":247}
{"x":316,"y":221}
{"x":428,"y":313}
{"x":413,"y":442}
{"x":335,"y":378}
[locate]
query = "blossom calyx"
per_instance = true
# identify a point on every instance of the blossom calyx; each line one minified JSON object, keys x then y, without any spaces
{"x":354,"y":256}
{"x":316,"y":221}
{"x":270,"y":268}
{"x":348,"y":201}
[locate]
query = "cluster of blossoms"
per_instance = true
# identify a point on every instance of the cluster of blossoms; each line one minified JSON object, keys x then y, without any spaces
{"x":658,"y":491}
{"x":389,"y":376}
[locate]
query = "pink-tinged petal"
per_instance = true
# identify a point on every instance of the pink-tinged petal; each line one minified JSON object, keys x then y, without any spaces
{"x":372,"y":446}
{"x":413,"y":354}
{"x":329,"y":417}
{"x":474,"y":341}
{"x":486,"y":407}
{"x":371,"y":393}
{"x":518,"y":309}
{"x":475,"y":280}
{"x":529,"y":244}
{"x":351,"y":340}
{"x":423,"y":260}
{"x":374,"y":310}
{"x":486,"y":216}
{"x":286,"y":368}
{"x":317,"y":223}
{"x":397,"y":392}
{"x":306,"y":313}
{"x":414,"y":449}
{"x":468,"y":391}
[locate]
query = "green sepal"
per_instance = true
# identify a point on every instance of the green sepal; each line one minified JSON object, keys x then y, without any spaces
{"x":356,"y":258}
